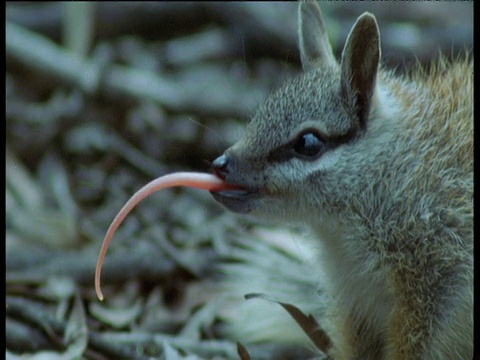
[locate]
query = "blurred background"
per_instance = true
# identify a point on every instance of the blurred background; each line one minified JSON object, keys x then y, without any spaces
{"x":103,"y":97}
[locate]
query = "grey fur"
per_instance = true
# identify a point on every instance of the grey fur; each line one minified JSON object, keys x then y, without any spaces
{"x":391,"y":209}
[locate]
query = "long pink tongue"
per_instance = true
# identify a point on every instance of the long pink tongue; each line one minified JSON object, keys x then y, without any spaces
{"x":191,"y":179}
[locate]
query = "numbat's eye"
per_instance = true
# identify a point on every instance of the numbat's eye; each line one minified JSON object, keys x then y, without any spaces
{"x":309,"y":145}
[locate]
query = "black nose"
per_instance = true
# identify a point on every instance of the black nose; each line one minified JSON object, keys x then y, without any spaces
{"x":220,"y":166}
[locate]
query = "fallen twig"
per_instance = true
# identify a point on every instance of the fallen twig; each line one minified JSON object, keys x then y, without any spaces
{"x":209,"y":90}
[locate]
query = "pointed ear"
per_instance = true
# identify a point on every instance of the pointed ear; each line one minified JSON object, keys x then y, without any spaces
{"x":360,"y":60}
{"x":312,"y":35}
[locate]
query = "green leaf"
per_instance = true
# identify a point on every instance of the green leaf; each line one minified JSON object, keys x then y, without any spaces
{"x":242,"y":352}
{"x":308,"y":323}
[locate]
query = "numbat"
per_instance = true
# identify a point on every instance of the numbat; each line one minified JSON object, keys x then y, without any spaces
{"x":381,"y":169}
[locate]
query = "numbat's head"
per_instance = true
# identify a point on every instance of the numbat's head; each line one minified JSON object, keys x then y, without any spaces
{"x":309,"y":138}
{"x":350,"y":140}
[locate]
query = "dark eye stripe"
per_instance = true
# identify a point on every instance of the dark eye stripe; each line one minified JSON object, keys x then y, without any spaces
{"x":286,"y":152}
